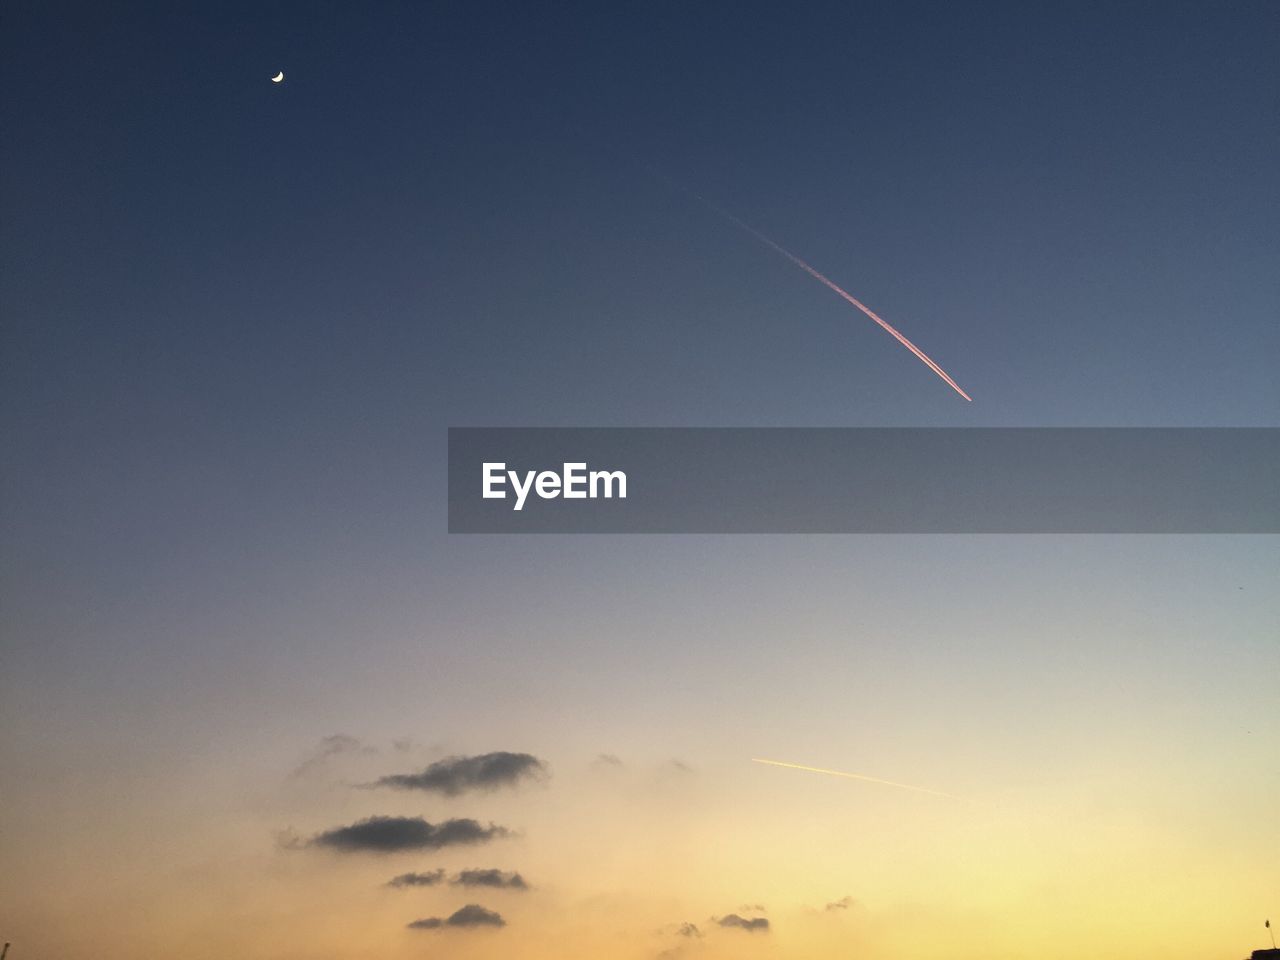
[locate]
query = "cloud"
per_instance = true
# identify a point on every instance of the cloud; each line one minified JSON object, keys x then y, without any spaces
{"x":389,"y":834}
{"x":690,"y":934}
{"x":606,"y":760}
{"x":332,"y":746}
{"x":472,"y":915}
{"x":844,"y":903}
{"x":742,"y":923}
{"x":490,"y":878}
{"x":456,"y":775}
{"x":417,"y":879}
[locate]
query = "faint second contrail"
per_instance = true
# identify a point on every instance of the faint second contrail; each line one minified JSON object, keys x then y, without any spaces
{"x":856,"y":776}
{"x":836,"y":288}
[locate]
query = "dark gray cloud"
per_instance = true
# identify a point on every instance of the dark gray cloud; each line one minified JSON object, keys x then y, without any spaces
{"x":742,"y":923}
{"x":456,"y":775}
{"x":844,"y":903}
{"x":389,"y":834}
{"x":417,"y":879}
{"x":489,"y":878}
{"x":472,"y":915}
{"x":689,"y":930}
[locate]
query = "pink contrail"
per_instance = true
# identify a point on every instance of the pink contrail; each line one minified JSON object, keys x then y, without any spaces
{"x":834,"y":287}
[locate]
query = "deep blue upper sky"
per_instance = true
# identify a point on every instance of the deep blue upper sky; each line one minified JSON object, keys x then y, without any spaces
{"x":1072,"y":208}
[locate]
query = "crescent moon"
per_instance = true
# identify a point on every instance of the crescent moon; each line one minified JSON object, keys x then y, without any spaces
{"x":278,"y":77}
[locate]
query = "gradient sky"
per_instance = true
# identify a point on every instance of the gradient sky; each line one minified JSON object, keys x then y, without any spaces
{"x":238,"y":318}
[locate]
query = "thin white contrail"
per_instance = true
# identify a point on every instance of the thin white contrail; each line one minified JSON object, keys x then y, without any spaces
{"x":836,"y":288}
{"x":855,"y":776}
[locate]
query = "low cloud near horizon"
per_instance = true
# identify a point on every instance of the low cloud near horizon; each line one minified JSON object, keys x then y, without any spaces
{"x":472,"y":915}
{"x":490,"y":878}
{"x":417,"y":879}
{"x":751,"y":925}
{"x":390,"y":834}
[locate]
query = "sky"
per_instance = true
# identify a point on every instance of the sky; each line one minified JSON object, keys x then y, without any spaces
{"x":238,"y":318}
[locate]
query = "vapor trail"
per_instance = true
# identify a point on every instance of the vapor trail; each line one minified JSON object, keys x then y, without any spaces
{"x":856,"y":776}
{"x":835,"y":288}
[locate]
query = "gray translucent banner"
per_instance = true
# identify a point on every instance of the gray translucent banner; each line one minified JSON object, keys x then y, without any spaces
{"x":864,"y":480}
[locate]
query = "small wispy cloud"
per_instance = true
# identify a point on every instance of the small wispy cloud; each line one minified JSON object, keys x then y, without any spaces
{"x":329,"y":748}
{"x":674,"y":771}
{"x":690,"y":937}
{"x":430,"y":879}
{"x":490,"y":878}
{"x":751,"y":925}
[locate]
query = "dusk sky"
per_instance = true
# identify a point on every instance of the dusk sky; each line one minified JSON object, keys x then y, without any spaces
{"x":239,"y":316}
